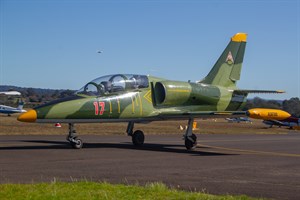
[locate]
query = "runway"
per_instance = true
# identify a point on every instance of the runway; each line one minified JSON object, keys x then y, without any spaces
{"x":256,"y":165}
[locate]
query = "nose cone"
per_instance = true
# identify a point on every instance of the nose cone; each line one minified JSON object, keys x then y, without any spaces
{"x":29,"y":116}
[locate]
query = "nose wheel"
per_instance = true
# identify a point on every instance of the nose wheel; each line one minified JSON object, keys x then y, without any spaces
{"x":137,"y":136}
{"x":76,"y":143}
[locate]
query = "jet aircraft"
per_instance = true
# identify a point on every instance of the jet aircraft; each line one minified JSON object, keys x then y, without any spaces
{"x":274,"y":117}
{"x":139,"y":98}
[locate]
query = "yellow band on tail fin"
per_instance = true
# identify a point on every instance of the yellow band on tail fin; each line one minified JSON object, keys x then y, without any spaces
{"x":239,"y":37}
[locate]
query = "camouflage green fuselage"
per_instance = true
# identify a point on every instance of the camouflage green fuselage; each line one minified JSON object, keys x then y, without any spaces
{"x":162,"y":99}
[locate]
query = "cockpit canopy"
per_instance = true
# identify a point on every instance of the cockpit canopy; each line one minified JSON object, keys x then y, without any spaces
{"x":114,"y":83}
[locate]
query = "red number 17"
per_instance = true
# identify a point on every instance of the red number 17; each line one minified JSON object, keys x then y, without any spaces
{"x":101,"y":105}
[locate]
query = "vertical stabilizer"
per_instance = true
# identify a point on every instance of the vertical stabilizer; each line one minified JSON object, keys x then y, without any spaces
{"x":226,"y":72}
{"x":20,"y":105}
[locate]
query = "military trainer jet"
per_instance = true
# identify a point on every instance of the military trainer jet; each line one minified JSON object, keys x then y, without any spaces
{"x":138,"y":98}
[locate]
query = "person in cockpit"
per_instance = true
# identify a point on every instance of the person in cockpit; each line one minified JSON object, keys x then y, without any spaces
{"x":107,"y":86}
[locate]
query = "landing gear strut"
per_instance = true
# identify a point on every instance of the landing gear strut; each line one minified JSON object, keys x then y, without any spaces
{"x":138,"y":136}
{"x":75,"y":142}
{"x":190,"y":139}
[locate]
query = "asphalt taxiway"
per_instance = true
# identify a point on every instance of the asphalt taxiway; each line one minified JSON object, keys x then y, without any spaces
{"x":256,"y":165}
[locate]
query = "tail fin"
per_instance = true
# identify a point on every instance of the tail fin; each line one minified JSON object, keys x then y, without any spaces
{"x":20,"y":105}
{"x":226,"y":72}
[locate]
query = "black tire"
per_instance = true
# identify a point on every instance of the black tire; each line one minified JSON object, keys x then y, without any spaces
{"x":138,"y":138}
{"x":77,"y":144}
{"x":190,"y":145}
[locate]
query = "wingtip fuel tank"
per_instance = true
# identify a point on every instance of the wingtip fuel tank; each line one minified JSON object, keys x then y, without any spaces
{"x":268,"y":114}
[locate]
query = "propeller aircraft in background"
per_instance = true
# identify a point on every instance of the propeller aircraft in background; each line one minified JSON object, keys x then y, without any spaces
{"x":139,"y":98}
{"x":11,"y":110}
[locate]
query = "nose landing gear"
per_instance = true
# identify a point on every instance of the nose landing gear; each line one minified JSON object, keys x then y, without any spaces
{"x":138,"y":136}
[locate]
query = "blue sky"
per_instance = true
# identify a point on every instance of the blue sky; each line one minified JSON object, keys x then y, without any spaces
{"x":54,"y":43}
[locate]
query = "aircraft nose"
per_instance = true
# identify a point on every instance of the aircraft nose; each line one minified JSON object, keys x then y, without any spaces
{"x":29,"y":116}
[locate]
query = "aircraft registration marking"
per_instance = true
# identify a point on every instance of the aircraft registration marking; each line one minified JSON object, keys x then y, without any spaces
{"x":100,"y":104}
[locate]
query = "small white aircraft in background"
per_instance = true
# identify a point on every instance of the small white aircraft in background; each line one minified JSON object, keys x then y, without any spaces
{"x":239,"y":119}
{"x":11,"y":110}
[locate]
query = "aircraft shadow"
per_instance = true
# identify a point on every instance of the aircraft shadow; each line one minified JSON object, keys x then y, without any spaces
{"x":169,"y":148}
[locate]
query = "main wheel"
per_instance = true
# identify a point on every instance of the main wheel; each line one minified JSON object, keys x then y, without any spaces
{"x":138,"y":138}
{"x":76,"y":143}
{"x":191,"y":143}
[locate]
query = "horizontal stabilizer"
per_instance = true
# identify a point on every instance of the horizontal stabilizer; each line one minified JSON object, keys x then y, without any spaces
{"x":244,"y":92}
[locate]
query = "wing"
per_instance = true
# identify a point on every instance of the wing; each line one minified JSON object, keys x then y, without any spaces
{"x":202,"y":114}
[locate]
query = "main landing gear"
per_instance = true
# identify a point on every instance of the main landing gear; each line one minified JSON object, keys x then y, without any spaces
{"x":138,"y":136}
{"x":190,"y":139}
{"x":75,"y":142}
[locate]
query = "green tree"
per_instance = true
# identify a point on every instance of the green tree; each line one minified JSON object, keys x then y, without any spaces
{"x":292,"y":106}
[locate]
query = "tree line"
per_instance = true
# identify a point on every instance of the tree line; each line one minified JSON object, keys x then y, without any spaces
{"x":32,"y":96}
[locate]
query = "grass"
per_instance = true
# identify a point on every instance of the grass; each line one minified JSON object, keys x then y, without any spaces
{"x":93,"y":190}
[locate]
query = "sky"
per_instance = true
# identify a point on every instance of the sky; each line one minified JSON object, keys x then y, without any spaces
{"x":54,"y":43}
